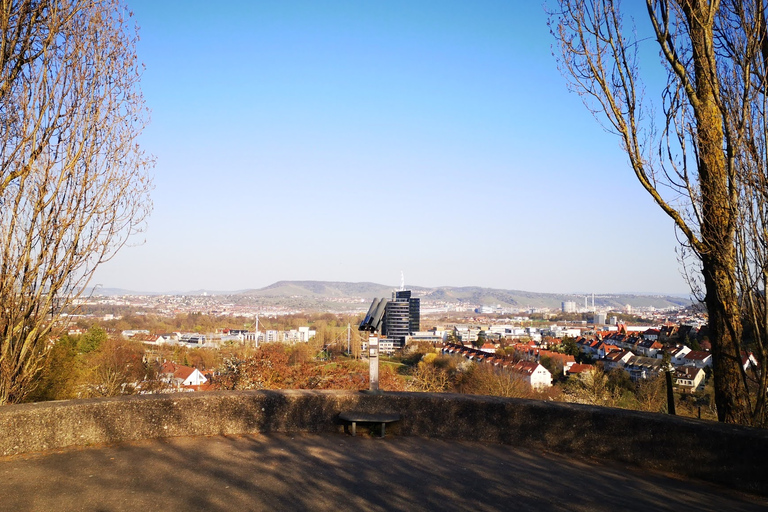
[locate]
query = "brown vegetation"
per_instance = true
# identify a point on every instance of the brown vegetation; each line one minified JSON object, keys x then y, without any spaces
{"x":93,"y":365}
{"x":275,"y":366}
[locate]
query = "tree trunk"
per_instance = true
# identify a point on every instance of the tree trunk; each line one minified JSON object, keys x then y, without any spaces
{"x":731,"y":395}
{"x":718,"y":226}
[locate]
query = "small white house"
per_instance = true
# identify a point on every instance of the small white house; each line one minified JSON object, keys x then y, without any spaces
{"x":179,"y":375}
{"x":698,"y":358}
{"x":490,"y":348}
{"x":617,"y":359}
{"x":689,"y":378}
{"x":678,"y":354}
{"x":533,"y":373}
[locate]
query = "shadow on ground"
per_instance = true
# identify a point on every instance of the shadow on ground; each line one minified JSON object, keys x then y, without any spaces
{"x":334,"y":471}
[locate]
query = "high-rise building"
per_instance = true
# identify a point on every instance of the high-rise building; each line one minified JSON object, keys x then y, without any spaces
{"x":401,"y":295}
{"x":414,"y":308}
{"x":396,"y":322}
{"x":402,"y":317}
{"x":414,"y":314}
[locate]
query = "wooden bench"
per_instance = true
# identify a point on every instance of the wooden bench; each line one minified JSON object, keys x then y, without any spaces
{"x":355,"y":417}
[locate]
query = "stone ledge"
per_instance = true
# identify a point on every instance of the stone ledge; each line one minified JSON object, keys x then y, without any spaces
{"x":725,"y":454}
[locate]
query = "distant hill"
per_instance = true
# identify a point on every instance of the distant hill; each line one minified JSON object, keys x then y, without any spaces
{"x":468,"y":294}
{"x":319,"y":289}
{"x":316,"y":292}
{"x":114,"y":292}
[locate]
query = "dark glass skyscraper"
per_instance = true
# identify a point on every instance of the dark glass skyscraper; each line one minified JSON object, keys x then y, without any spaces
{"x":402,"y":317}
{"x":397,"y":322}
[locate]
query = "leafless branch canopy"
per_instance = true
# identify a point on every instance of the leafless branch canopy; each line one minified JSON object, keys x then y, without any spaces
{"x":701,"y":155}
{"x":74,"y":184}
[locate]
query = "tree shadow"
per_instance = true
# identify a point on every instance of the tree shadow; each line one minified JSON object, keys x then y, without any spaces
{"x":332,"y":472}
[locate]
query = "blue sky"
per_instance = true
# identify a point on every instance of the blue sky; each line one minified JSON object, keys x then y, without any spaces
{"x":351,"y":140}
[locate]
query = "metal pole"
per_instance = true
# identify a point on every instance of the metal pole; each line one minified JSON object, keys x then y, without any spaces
{"x":373,"y":363}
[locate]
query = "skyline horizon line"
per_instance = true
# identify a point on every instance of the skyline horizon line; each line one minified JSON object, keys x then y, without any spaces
{"x":223,"y":291}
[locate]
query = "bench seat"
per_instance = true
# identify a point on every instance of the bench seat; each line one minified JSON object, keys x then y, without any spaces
{"x":355,"y":417}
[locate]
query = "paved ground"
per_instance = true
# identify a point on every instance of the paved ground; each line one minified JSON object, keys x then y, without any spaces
{"x":337,"y":472}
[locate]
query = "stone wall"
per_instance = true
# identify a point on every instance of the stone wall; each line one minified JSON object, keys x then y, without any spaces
{"x":725,"y":454}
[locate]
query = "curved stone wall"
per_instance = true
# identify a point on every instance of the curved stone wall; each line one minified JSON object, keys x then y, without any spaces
{"x":724,"y":454}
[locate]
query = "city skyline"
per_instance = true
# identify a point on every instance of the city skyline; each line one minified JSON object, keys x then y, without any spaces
{"x":293,"y":140}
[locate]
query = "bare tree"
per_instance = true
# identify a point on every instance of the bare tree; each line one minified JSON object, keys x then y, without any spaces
{"x":431,"y":378}
{"x":74,"y":183}
{"x":700,"y":155}
{"x":592,"y":387}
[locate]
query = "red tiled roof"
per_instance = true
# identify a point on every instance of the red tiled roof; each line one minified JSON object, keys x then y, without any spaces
{"x":697,"y":355}
{"x":580,"y":368}
{"x":179,"y":371}
{"x":563,"y":358}
{"x":524,"y":367}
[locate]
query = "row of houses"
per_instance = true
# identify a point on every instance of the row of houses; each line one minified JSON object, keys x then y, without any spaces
{"x":648,"y":344}
{"x":642,"y":355}
{"x":689,"y":374}
{"x":470,"y":334}
{"x":666,"y":333}
{"x":530,"y":372}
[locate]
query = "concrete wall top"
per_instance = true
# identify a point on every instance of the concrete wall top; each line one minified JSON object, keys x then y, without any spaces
{"x":726,"y":454}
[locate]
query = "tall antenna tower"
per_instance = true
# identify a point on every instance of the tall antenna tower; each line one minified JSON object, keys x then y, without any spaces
{"x":402,"y":281}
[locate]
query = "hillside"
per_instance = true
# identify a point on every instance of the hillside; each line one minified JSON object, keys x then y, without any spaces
{"x":469,"y":295}
{"x":331,"y":295}
{"x":321,"y":289}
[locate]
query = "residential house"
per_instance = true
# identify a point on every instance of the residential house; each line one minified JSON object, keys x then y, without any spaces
{"x":668,"y":332}
{"x":553,"y":343}
{"x":179,"y":376}
{"x":648,"y":348}
{"x":698,"y":358}
{"x":590,"y":348}
{"x":578,"y":368}
{"x":617,"y":359}
{"x":640,"y":367}
{"x":677,"y":355}
{"x":748,"y":360}
{"x":689,"y":378}
{"x":466,"y":334}
{"x":155,"y":339}
{"x":566,"y":360}
{"x":489,"y":348}
{"x":151,"y":339}
{"x":603,"y":349}
{"x":533,"y":373}
{"x":651,"y":334}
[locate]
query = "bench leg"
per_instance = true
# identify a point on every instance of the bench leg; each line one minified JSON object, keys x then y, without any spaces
{"x":354,"y":428}
{"x":383,"y":425}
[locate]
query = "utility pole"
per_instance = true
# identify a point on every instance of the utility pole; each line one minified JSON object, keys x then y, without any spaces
{"x":349,"y":337}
